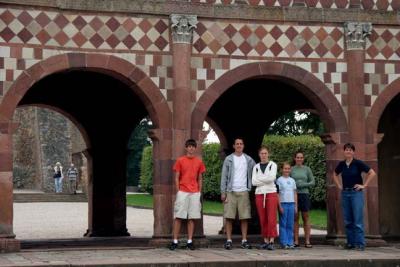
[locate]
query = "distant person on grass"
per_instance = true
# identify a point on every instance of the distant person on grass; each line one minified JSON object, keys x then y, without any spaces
{"x":188,"y":181}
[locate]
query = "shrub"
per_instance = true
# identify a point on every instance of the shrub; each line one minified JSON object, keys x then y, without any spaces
{"x":146,"y":170}
{"x":212,"y":177}
{"x":283,"y":148}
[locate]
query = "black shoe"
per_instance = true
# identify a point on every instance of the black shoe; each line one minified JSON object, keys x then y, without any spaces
{"x":270,"y":246}
{"x":245,"y":245}
{"x":360,"y":248}
{"x":262,"y":246}
{"x":190,"y":246}
{"x":349,"y":246}
{"x":228,"y":245}
{"x":173,"y":246}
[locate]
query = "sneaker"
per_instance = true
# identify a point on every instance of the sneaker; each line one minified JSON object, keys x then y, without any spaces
{"x":270,"y":246}
{"x":284,"y":247}
{"x":360,"y":248}
{"x":245,"y":245}
{"x":190,"y":246}
{"x":291,"y":247}
{"x":349,"y":246}
{"x":173,"y":246}
{"x":262,"y":246}
{"x":228,"y":245}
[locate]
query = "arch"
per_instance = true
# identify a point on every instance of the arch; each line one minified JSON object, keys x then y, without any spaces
{"x":315,"y":90}
{"x":118,"y":68}
{"x":377,"y":109}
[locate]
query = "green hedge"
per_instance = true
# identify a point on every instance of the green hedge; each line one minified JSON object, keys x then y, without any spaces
{"x":146,"y":170}
{"x":281,"y":149}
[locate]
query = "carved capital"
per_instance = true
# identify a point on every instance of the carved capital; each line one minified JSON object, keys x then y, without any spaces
{"x":356,"y":34}
{"x":182,"y":27}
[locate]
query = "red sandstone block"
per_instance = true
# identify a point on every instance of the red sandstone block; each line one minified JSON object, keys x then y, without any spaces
{"x":55,"y":64}
{"x":77,"y":60}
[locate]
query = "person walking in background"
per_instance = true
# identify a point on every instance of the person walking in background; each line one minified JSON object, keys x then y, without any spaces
{"x":235,"y":186}
{"x":304,"y":178}
{"x":264,"y":176}
{"x":188,"y":182}
{"x":352,"y":186}
{"x":287,"y":206}
{"x":58,"y":177}
{"x":72,"y":174}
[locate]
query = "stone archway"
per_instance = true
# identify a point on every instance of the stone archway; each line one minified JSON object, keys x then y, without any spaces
{"x":384,"y":152}
{"x":312,"y":89}
{"x":123,"y":71}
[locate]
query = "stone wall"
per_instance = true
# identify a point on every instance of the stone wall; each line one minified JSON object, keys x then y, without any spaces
{"x":43,"y":138}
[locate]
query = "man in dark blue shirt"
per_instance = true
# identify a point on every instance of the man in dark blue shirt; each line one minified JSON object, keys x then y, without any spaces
{"x":352,"y":186}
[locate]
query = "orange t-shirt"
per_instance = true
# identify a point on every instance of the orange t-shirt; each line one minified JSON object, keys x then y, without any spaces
{"x":189,"y":169}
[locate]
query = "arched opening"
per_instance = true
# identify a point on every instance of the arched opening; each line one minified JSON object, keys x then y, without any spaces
{"x":389,"y":168}
{"x":106,"y":97}
{"x":246,"y":100}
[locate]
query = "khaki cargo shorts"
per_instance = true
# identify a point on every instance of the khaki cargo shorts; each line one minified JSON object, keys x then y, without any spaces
{"x":187,"y":205}
{"x":237,"y":202}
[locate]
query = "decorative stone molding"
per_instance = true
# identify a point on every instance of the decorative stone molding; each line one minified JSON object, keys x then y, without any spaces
{"x":182,"y":27}
{"x":356,"y":33}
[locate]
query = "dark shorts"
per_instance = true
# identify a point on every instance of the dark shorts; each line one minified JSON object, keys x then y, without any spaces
{"x":303,"y":202}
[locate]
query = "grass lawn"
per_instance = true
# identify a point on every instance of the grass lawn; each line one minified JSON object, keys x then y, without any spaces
{"x":318,"y":217}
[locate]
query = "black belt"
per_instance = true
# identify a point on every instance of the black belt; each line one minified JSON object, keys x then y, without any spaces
{"x":351,"y":189}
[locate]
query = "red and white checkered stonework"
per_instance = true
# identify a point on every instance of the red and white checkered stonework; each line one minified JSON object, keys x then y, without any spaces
{"x":384,"y":44}
{"x":205,"y":70}
{"x":28,"y":36}
{"x":386,"y":5}
{"x":268,"y":40}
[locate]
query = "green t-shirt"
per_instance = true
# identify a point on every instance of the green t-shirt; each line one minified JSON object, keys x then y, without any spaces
{"x":304,"y":178}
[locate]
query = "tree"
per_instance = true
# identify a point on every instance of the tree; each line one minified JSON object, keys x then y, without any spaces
{"x":296,"y":123}
{"x":138,"y":140}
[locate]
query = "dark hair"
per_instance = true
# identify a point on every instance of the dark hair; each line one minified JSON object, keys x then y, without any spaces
{"x":294,"y":156}
{"x":263,"y":147}
{"x":236,"y":138}
{"x":349,"y":145}
{"x":190,"y":142}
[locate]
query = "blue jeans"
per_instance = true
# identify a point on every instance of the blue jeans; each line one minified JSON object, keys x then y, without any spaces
{"x":286,"y":223}
{"x":353,"y":208}
{"x":58,"y":184}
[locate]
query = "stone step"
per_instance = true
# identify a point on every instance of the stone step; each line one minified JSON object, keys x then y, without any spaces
{"x":49,"y":197}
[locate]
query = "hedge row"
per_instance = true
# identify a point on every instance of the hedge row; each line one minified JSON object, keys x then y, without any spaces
{"x":281,"y":149}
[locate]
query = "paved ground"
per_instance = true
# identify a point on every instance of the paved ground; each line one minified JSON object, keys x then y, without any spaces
{"x":70,"y":220}
{"x":317,"y":256}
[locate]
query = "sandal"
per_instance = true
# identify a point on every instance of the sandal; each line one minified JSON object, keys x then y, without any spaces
{"x":308,"y":245}
{"x":296,"y":245}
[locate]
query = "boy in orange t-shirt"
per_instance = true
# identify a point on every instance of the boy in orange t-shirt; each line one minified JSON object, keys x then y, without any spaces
{"x":188,"y":181}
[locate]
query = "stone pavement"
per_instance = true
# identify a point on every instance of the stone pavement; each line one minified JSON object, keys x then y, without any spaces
{"x":317,"y":256}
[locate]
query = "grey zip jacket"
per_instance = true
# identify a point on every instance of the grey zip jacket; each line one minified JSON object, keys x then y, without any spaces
{"x":227,"y":173}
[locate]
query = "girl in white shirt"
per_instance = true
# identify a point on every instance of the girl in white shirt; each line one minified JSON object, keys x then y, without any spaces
{"x":264,"y":176}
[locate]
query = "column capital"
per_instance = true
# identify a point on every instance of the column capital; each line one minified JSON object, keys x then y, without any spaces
{"x":356,"y":33}
{"x":182,"y":27}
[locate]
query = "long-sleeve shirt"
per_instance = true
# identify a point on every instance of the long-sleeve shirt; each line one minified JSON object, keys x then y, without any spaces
{"x":265,"y":181}
{"x":304,"y":178}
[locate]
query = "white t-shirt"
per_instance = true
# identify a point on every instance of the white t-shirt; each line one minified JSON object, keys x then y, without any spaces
{"x":287,"y":187}
{"x":239,"y":183}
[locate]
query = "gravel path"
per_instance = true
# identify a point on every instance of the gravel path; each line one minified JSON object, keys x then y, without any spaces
{"x":70,"y":220}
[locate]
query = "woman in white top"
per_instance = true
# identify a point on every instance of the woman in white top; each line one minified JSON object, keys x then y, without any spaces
{"x":264,"y":176}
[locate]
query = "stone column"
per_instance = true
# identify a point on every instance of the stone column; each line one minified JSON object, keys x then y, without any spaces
{"x":182,"y":27}
{"x":162,"y":177}
{"x":356,"y":33}
{"x":8,"y":243}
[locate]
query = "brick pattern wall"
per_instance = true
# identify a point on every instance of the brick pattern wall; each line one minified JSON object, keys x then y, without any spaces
{"x":29,"y":36}
{"x":384,"y":5}
{"x":383,"y":44}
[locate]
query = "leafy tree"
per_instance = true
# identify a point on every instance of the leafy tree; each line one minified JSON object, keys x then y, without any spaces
{"x":296,"y":123}
{"x":138,"y":140}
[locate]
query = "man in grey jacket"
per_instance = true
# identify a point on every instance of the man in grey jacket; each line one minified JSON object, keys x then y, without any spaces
{"x":235,"y":186}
